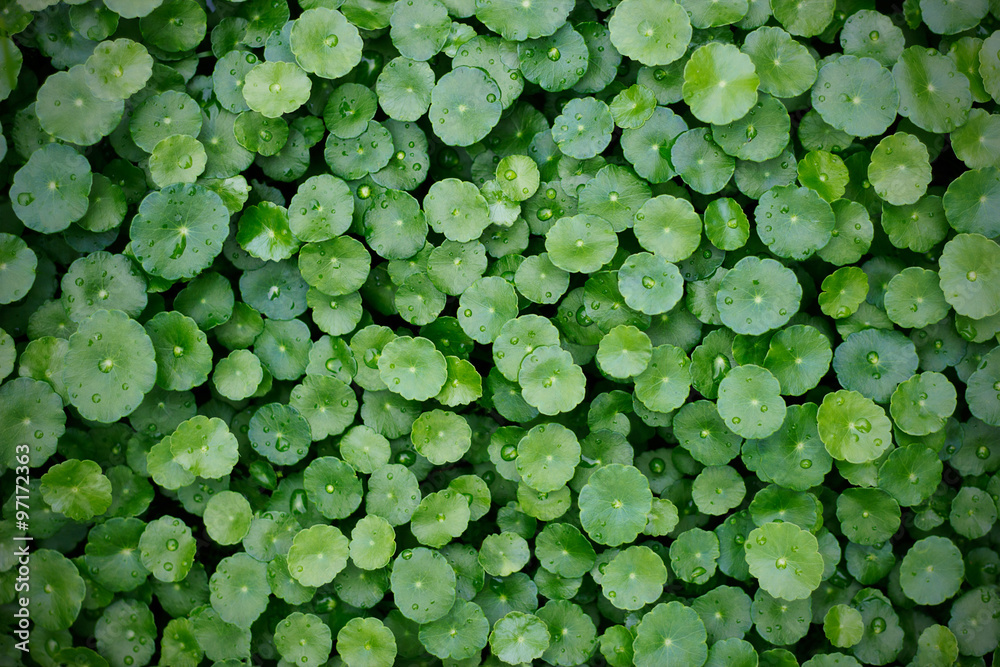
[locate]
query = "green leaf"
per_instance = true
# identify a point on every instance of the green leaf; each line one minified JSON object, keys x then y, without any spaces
{"x":279,"y":433}
{"x":204,"y":447}
{"x":652,"y":33}
{"x":109,"y":366}
{"x":843,"y":626}
{"x":317,"y":554}
{"x":670,"y":633}
{"x":264,"y":232}
{"x":970,"y":200}
{"x":393,"y":493}
{"x":547,"y":457}
{"x":366,"y":641}
{"x":68,"y":109}
{"x":550,"y":381}
{"x":583,"y":129}
{"x":183,"y":356}
{"x":758,"y":295}
{"x":515,"y":22}
{"x":112,"y":555}
{"x":238,"y":376}
{"x":458,"y":636}
{"x":332,"y":487}
{"x":404,"y":88}
{"x":633,"y":106}
{"x":365,"y":449}
{"x":228,"y":517}
{"x":874,"y":362}
{"x":396,"y":228}
{"x":804,"y":19}
{"x":624,"y":352}
{"x":944,"y":19}
{"x":518,"y":338}
{"x":665,"y":383}
{"x":704,"y":434}
{"x":923,"y":404}
{"x":668,"y":227}
{"x":720,"y":83}
{"x":967,"y":275}
{"x":179,"y":230}
{"x":320,"y":209}
{"x":441,"y":517}
{"x":700,"y":162}
{"x":118,"y":69}
{"x":785,"y":560}
{"x":50,"y":191}
{"x":930,"y":93}
{"x":868,"y":516}
{"x":442,"y":437}
{"x":975,"y":143}
{"x":465,"y":106}
{"x":563,"y":550}
{"x":932,"y":570}
{"x":413,"y":368}
{"x":853,"y":427}
{"x":303,"y":639}
{"x":11,"y":58}
{"x":799,"y":357}
{"x":717,"y":489}
{"x":900,"y":169}
{"x":500,"y":555}
{"x":519,"y":638}
{"x":649,"y":283}
{"x":372,"y":543}
{"x":456,"y":209}
{"x":693,"y":555}
{"x":55,"y":607}
{"x":17,"y":268}
{"x":760,"y":135}
{"x":77,"y":489}
{"x":126,"y":629}
{"x":825,"y":173}
{"x":856,"y":95}
{"x":647,"y":148}
{"x":167,"y":549}
{"x":914,"y":298}
{"x":420,"y":28}
{"x":325,"y":43}
{"x":936,"y":644}
{"x":276,"y":88}
{"x":614,"y":504}
{"x":239,"y":589}
{"x":869,"y":33}
{"x":581,"y":244}
{"x":423,"y":584}
{"x":750,"y":403}
{"x":797,"y":221}
{"x":844,"y":291}
{"x":785,"y":67}
{"x":336,"y":267}
{"x":555,"y":62}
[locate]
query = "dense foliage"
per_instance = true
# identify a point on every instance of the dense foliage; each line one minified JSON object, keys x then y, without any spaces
{"x":490,"y":332}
